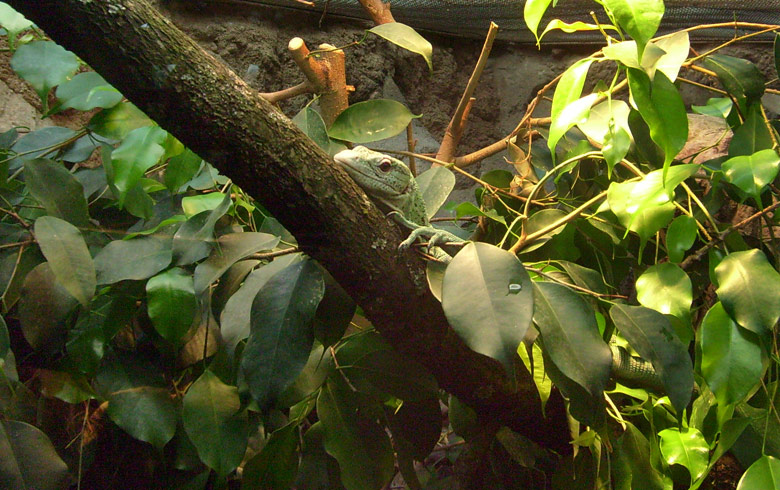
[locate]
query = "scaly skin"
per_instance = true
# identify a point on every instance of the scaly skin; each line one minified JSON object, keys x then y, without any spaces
{"x":391,"y":185}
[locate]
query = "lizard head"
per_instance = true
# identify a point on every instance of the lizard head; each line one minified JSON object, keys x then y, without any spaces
{"x":380,"y":176}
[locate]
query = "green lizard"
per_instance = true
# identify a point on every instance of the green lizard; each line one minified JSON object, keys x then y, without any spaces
{"x":391,"y":185}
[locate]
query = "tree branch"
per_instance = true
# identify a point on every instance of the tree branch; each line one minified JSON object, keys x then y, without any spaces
{"x":212,"y":111}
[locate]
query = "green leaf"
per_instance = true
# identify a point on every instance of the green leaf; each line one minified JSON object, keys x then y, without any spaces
{"x":43,"y":308}
{"x":234,"y":322}
{"x":334,"y":313}
{"x":311,"y":123}
{"x":44,"y":64}
{"x":571,"y":337}
{"x":5,"y":340}
{"x":29,"y":458}
{"x":318,"y":471}
{"x":651,"y":335}
{"x":64,"y":386}
{"x":763,"y":473}
{"x":58,"y":190}
{"x":605,"y":117}
{"x":663,"y":110}
{"x":633,"y":448}
{"x":230,"y":249}
{"x":533,"y":11}
{"x":667,"y":289}
{"x":435,"y":185}
{"x":318,"y":367}
{"x":540,"y":220}
{"x":687,"y":448}
{"x":639,"y":18}
{"x":140,"y":151}
{"x":172,"y":304}
{"x":192,"y":205}
{"x":572,"y":27}
{"x":680,"y":237}
{"x":138,"y":400}
{"x":716,"y":107}
{"x":739,"y":77}
{"x":87,"y":91}
{"x":749,"y":288}
{"x":371,"y":120}
{"x":193,"y":239}
{"x":360,"y":445}
{"x":39,"y":143}
{"x":215,"y":422}
{"x":488,"y":300}
{"x":65,"y":250}
{"x":181,"y":169}
{"x":13,"y":22}
{"x":119,"y":121}
{"x":753,"y":135}
{"x":404,"y":36}
{"x":752,"y":173}
{"x":136,"y":259}
{"x":276,"y":465}
{"x":645,"y":206}
{"x":281,"y":333}
{"x":731,"y":360}
{"x":567,"y":92}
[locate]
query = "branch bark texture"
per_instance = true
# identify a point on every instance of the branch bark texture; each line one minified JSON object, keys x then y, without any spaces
{"x":213,"y":112}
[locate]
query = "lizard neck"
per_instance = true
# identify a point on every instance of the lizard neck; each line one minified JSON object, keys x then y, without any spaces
{"x":413,"y":207}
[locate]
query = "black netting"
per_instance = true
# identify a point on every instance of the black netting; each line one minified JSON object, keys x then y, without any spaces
{"x":470,"y":18}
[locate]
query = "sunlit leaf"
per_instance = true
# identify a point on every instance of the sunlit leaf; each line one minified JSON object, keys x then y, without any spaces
{"x":407,"y":38}
{"x":13,"y":22}
{"x":574,"y":113}
{"x":371,"y":120}
{"x":194,"y":239}
{"x":488,"y":299}
{"x":568,"y":91}
{"x":119,"y":121}
{"x":44,"y":64}
{"x":87,"y":91}
{"x":603,"y":117}
{"x":533,"y":11}
{"x":731,"y":360}
{"x":569,"y":28}
{"x":687,"y":448}
{"x":749,"y":288}
{"x":215,"y":422}
{"x":752,"y":173}
{"x":667,"y":289}
{"x":140,"y":151}
{"x":763,"y":473}
{"x":753,"y":135}
{"x":67,"y":254}
{"x":181,"y":169}
{"x":680,"y":237}
{"x":716,"y":107}
{"x":639,"y":18}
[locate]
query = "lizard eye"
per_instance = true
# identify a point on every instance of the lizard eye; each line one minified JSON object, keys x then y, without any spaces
{"x":385,"y":165}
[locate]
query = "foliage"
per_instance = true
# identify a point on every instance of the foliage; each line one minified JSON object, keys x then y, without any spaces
{"x":142,"y":288}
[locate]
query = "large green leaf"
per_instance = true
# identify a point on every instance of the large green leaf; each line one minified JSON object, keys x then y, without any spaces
{"x":57,"y":189}
{"x":281,"y":333}
{"x":119,"y":121}
{"x":752,"y":173}
{"x":435,"y":185}
{"x":28,"y":459}
{"x":136,"y":259}
{"x":533,"y":11}
{"x":749,"y":288}
{"x":360,"y":445}
{"x":140,"y":150}
{"x":275,"y":466}
{"x":215,"y":423}
{"x":645,"y":206}
{"x":571,"y":337}
{"x":763,"y":473}
{"x":371,"y":120}
{"x":687,"y":448}
{"x":662,"y":108}
{"x":171,"y":303}
{"x":138,"y":400}
{"x":67,"y":254}
{"x":318,"y":367}
{"x":181,"y":169}
{"x":680,"y":236}
{"x":234,"y":321}
{"x":230,"y":249}
{"x":753,"y":135}
{"x":334,"y":312}
{"x":731,"y":360}
{"x":666,"y":288}
{"x":38,"y":143}
{"x":13,"y":22}
{"x":406,"y":37}
{"x":44,"y":64}
{"x":43,"y":308}
{"x":87,"y":91}
{"x":318,"y":471}
{"x":639,"y":18}
{"x":741,"y":78}
{"x":650,"y":333}
{"x":488,"y":299}
{"x":567,"y":93}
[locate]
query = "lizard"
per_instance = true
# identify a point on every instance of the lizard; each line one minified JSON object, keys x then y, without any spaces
{"x":389,"y":183}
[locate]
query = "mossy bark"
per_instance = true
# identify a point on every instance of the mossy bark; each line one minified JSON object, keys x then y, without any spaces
{"x":212,"y":111}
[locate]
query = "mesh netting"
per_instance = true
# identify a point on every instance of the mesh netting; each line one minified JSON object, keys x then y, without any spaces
{"x":470,"y":18}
